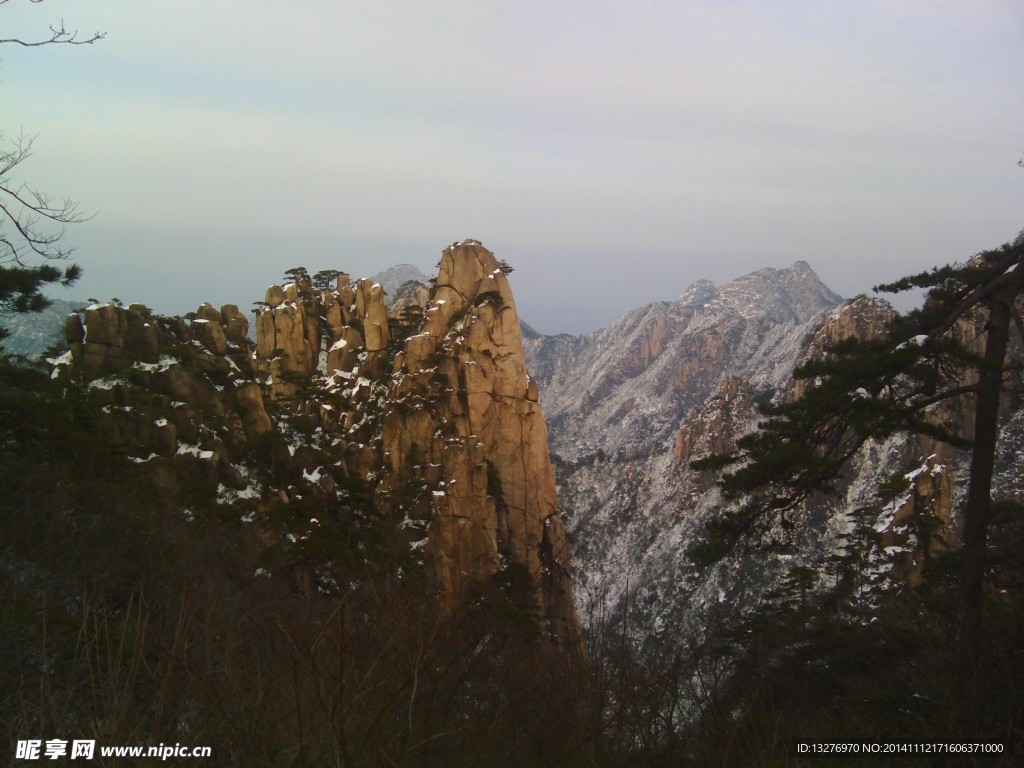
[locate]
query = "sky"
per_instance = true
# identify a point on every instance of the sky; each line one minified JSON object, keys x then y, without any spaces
{"x":611,"y":152}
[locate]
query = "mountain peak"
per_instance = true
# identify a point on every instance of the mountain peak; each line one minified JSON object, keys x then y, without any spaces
{"x":698,"y":294}
{"x":793,"y":294}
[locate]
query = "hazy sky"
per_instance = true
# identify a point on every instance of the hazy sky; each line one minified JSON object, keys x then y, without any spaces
{"x":612,"y":152}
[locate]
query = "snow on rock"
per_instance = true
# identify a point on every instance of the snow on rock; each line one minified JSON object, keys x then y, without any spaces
{"x":194,"y":450}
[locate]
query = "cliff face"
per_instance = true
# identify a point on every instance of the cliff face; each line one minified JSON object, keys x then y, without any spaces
{"x":426,"y":407}
{"x":465,"y":443}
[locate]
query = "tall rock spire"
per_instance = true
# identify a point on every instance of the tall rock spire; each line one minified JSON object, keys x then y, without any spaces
{"x":465,"y":444}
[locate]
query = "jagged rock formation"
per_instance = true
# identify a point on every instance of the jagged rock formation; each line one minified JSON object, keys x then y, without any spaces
{"x":428,"y":408}
{"x":863,"y":318}
{"x":409,"y":295}
{"x":633,"y":382}
{"x":627,"y":403}
{"x":287,"y":337}
{"x":715,"y":426}
{"x":457,"y":439}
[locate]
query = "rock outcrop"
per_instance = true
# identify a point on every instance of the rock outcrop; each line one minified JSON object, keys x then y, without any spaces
{"x":179,"y":396}
{"x":862,"y":318}
{"x":915,"y":527}
{"x":715,"y":426}
{"x":288,"y":337}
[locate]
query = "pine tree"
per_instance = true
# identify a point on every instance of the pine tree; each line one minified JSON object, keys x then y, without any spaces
{"x":296,"y":275}
{"x":326,"y":279}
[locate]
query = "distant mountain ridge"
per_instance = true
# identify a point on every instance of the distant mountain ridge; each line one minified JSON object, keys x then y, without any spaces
{"x":633,"y":381}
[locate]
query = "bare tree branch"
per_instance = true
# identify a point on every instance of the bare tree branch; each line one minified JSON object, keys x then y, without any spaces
{"x":32,"y":223}
{"x":58,"y":36}
{"x":26,"y":208}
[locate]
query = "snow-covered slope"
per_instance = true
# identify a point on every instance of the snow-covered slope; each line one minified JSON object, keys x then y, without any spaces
{"x":625,"y":389}
{"x":630,"y":405}
{"x":32,"y":332}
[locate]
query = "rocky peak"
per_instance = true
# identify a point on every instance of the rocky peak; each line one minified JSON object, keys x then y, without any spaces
{"x":465,"y":443}
{"x":633,"y":383}
{"x":632,"y":405}
{"x":409,"y":294}
{"x":794,"y":294}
